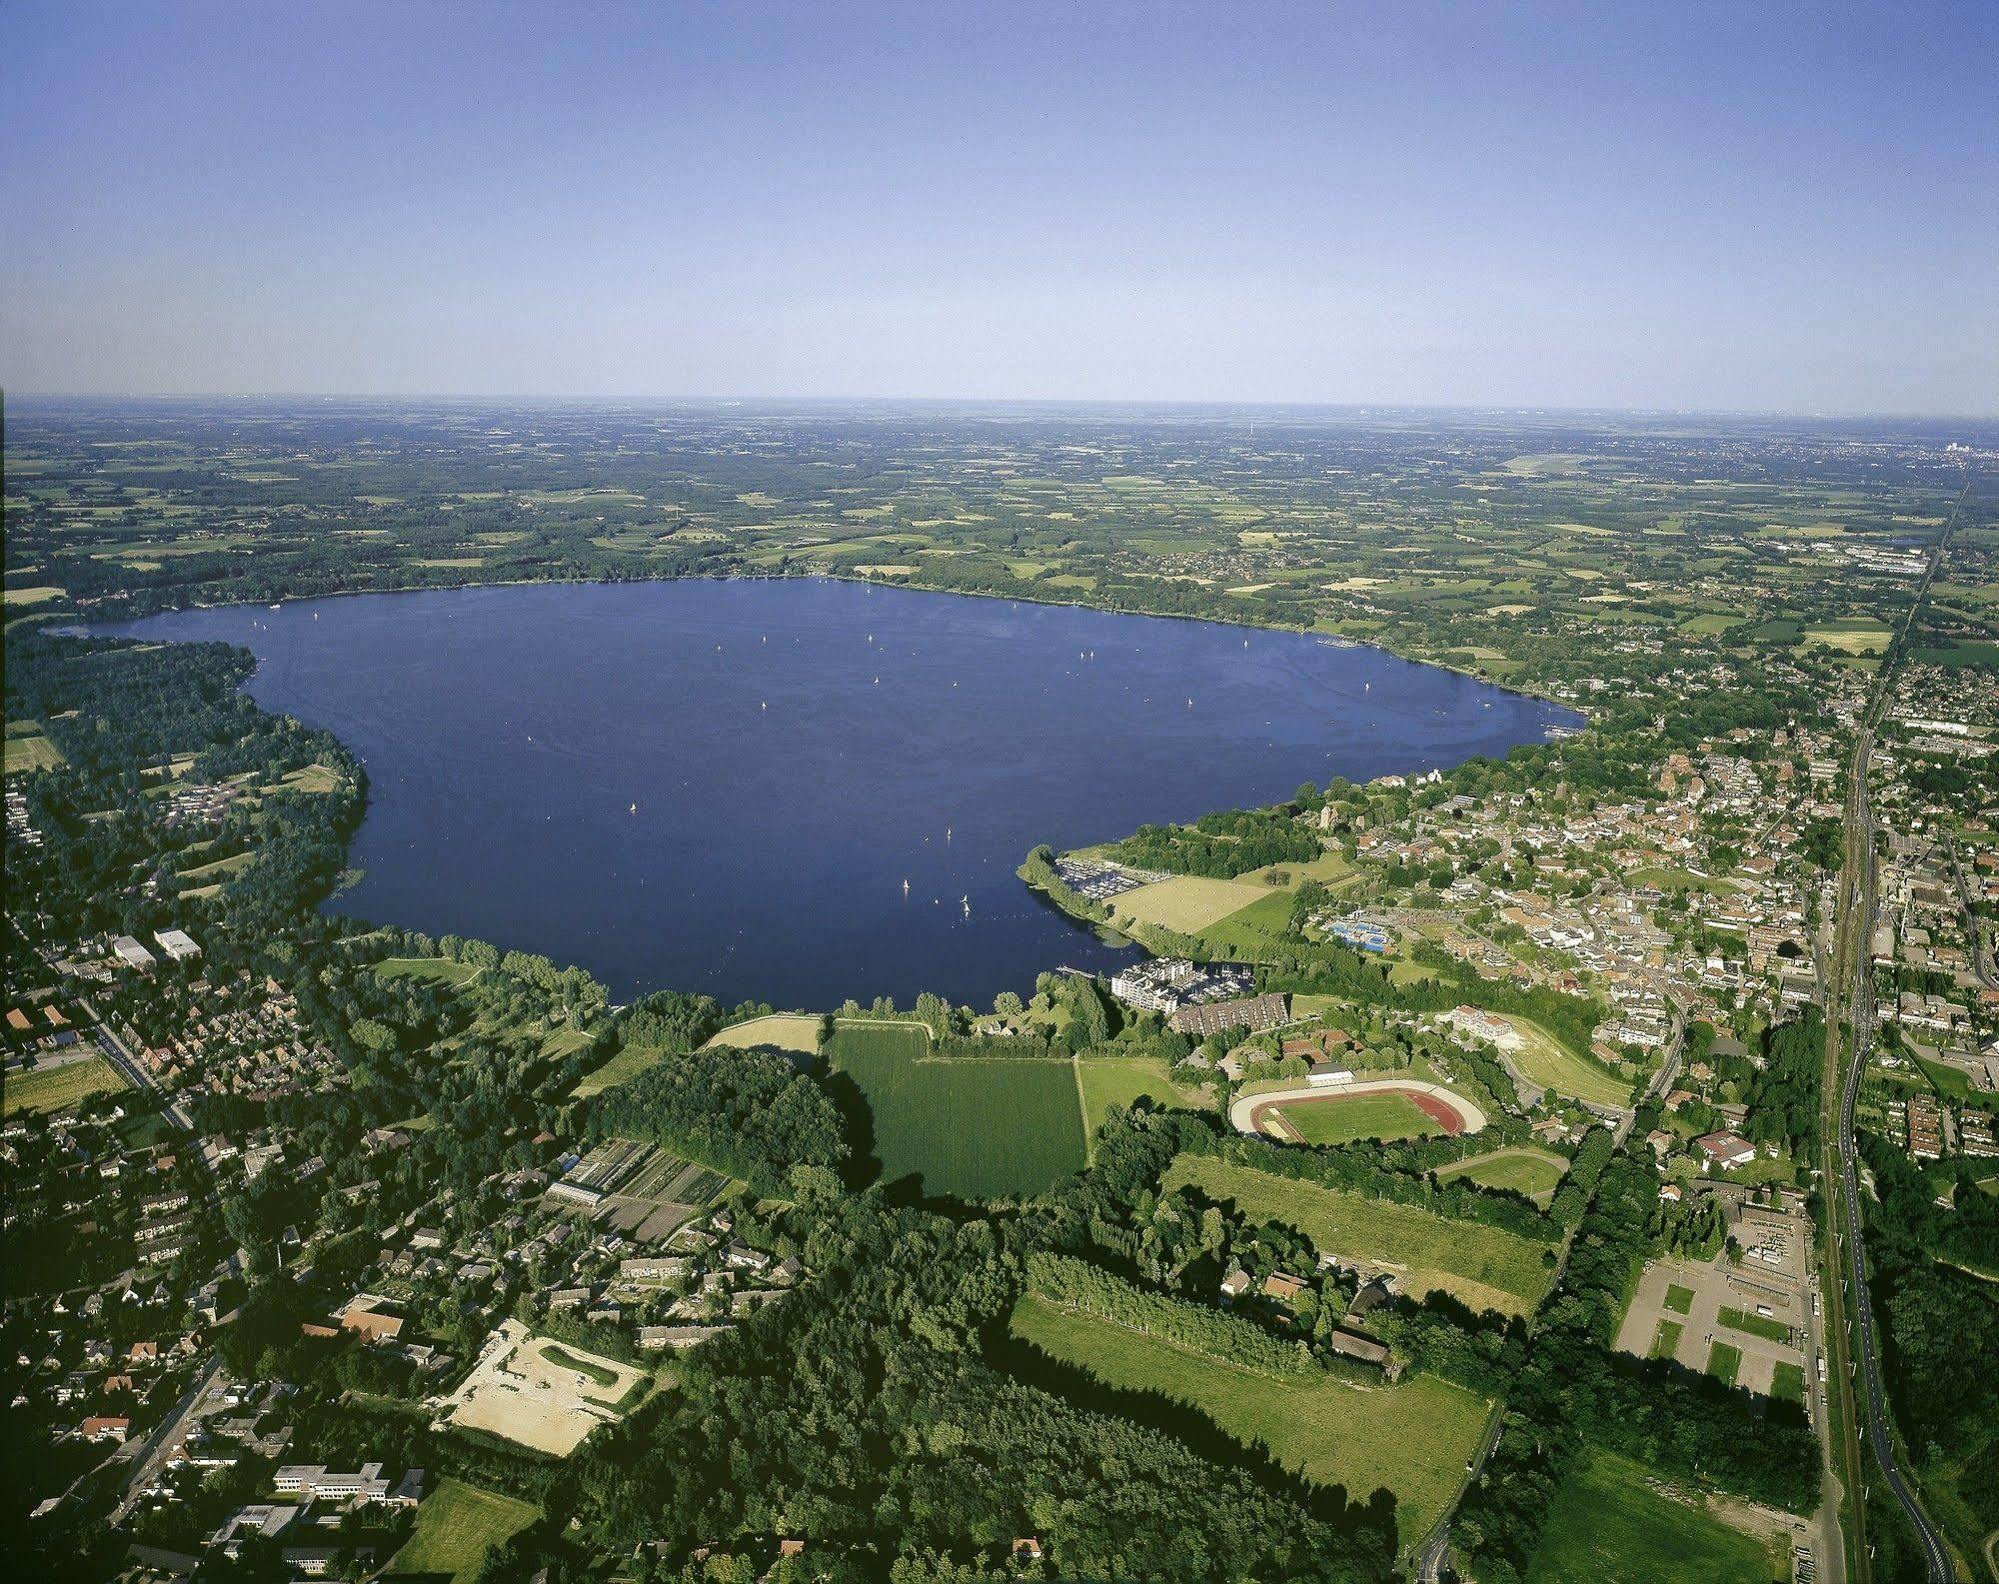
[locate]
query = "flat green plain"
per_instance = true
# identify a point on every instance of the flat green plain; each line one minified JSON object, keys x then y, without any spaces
{"x":455,"y":1527}
{"x":59,"y":1088}
{"x":1479,"y":1265}
{"x":974,"y":1127}
{"x":1413,"y":1437}
{"x":1610,"y":1525}
{"x":1120,"y":1080}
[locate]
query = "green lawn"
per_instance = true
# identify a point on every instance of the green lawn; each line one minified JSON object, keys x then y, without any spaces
{"x":1787,"y":1383}
{"x":221,"y":866}
{"x":1547,"y":1062}
{"x":1667,"y":1343}
{"x":621,"y":1068}
{"x":431,"y":970}
{"x":1413,"y":1437}
{"x":1724,"y":1362}
{"x":456,"y":1526}
{"x":976,"y":1127}
{"x":1608,"y":1525}
{"x":1680,"y":1299}
{"x":1531,"y":1172}
{"x":559,"y":1355}
{"x":1480,"y":1265}
{"x":59,"y":1088}
{"x":1119,"y":1080}
{"x":1754,"y":1324}
{"x":1346,"y":1118}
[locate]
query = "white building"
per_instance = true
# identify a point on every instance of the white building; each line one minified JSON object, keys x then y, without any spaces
{"x":177,"y":944}
{"x":131,"y":953}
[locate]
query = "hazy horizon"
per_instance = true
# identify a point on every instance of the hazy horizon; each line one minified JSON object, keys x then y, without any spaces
{"x":1784,"y":212}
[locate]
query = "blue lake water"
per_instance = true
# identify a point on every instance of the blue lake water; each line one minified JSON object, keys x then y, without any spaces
{"x":796,"y":751}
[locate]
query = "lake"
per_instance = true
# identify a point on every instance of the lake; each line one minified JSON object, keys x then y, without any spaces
{"x":797,"y":791}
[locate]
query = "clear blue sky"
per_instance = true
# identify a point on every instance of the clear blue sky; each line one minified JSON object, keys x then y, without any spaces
{"x":1737,"y":206}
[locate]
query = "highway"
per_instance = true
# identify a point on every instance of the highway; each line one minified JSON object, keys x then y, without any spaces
{"x":1860,"y":908}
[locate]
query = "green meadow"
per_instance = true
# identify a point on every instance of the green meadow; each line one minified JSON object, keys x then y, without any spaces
{"x":970,"y":1126}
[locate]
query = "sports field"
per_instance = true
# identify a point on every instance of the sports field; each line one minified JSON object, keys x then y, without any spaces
{"x":1545,"y":1061}
{"x":59,"y":1088}
{"x":1186,"y":903}
{"x":975,"y":1127}
{"x":1343,"y":1119}
{"x":1412,"y":1437}
{"x":1479,"y":1265}
{"x":1611,"y":1525}
{"x":1534,"y":1173}
{"x":456,"y":1526}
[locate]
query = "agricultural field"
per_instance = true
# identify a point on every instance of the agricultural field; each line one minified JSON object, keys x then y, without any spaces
{"x":788,"y":1031}
{"x":1855,"y":636}
{"x":59,"y":1088}
{"x":975,"y":1127}
{"x":29,"y":748}
{"x":1344,"y":1119}
{"x":1412,"y":1437}
{"x":1188,"y":904}
{"x":1480,"y":1265}
{"x":1543,"y":1060}
{"x":1254,"y":931}
{"x":661,"y":1196}
{"x":456,"y":1526}
{"x":1611,"y":1523}
{"x":1530,"y":1172}
{"x":540,"y":1394}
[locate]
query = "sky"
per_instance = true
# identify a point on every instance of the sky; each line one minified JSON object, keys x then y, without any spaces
{"x":1751,"y":207}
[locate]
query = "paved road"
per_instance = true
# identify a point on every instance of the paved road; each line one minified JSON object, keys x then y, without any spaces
{"x":1984,"y":962}
{"x":166,"y":1438}
{"x":1437,"y":1549}
{"x":135,"y":1073}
